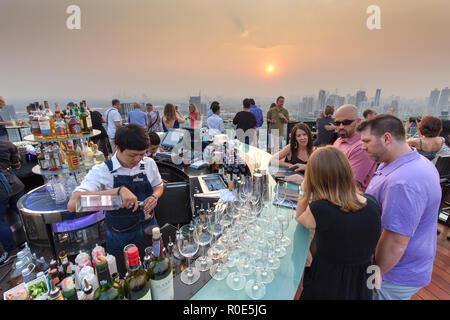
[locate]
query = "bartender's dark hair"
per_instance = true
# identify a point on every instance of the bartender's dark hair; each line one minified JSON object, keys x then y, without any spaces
{"x":132,"y":137}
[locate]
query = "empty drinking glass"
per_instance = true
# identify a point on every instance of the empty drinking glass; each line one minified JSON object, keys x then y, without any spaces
{"x":188,"y":247}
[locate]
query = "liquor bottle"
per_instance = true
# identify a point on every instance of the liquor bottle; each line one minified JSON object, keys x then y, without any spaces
{"x":108,"y":289}
{"x":86,"y":123}
{"x":98,"y":155}
{"x":44,"y":124}
{"x":73,"y":159}
{"x":54,"y":292}
{"x":137,"y":283}
{"x":87,"y":155}
{"x":67,"y":116}
{"x":74,"y":125}
{"x":41,"y":158}
{"x":60,"y":126}
{"x":171,"y":257}
{"x":160,"y":270}
{"x":68,"y":289}
{"x":47,"y":156}
{"x":93,"y":203}
{"x":88,"y":291}
{"x":34,"y":121}
{"x":51,"y":116}
{"x":55,"y":158}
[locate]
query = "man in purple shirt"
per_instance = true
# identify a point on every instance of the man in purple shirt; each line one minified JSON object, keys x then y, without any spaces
{"x":346,"y":121}
{"x":407,"y":187}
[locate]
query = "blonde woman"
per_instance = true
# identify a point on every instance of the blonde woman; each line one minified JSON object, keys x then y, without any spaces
{"x":194,"y":115}
{"x":171,"y":118}
{"x":347,"y":227}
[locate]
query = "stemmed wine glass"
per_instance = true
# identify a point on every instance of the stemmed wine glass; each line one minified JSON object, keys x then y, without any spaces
{"x":255,"y":288}
{"x":203,"y":238}
{"x":188,"y":247}
{"x":218,"y":271}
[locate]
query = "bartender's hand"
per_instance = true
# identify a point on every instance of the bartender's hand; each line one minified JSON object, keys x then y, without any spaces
{"x":150,"y":204}
{"x":129,"y":200}
{"x":297,"y":167}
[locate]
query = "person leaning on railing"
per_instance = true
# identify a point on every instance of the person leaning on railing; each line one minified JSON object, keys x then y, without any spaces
{"x":429,"y":143}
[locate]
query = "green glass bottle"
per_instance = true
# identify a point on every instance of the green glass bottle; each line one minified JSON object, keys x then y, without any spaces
{"x":160,"y":270}
{"x":137,"y":283}
{"x":108,"y":289}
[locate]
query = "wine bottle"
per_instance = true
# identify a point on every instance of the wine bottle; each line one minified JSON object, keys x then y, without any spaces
{"x":44,"y":124}
{"x":160,"y":270}
{"x":137,"y":283}
{"x":108,"y":289}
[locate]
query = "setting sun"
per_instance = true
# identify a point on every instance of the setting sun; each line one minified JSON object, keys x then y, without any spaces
{"x":269,"y":68}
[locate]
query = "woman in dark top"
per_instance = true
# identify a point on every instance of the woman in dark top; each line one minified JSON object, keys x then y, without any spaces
{"x":296,"y":154}
{"x":325,"y":128}
{"x":98,"y":120}
{"x":347,"y":227}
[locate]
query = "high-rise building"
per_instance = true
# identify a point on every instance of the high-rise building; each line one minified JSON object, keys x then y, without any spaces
{"x":376,"y":102}
{"x":443,"y":100}
{"x":307,"y":105}
{"x":434,"y":98}
{"x":360,"y":98}
{"x":321,"y":100}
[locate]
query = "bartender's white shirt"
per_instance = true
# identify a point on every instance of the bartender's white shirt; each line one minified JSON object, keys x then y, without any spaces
{"x":99,"y":178}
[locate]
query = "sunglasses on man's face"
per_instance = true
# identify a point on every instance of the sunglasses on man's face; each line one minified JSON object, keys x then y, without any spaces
{"x":344,"y":122}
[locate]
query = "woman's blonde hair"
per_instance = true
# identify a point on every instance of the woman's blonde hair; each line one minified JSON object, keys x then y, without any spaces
{"x":195,"y":108}
{"x":329,"y":176}
{"x":170,"y":112}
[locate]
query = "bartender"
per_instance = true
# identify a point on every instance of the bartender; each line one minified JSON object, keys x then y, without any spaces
{"x":135,"y":178}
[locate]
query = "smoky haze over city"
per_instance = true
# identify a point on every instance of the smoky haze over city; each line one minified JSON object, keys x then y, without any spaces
{"x":314,"y":53}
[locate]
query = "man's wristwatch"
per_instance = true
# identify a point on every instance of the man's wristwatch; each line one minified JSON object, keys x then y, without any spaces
{"x":156,"y":198}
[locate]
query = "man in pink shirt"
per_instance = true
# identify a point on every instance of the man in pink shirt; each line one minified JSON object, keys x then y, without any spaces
{"x":349,"y":142}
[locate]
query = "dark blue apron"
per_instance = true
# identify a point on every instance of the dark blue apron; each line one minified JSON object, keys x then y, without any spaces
{"x":124,"y":226}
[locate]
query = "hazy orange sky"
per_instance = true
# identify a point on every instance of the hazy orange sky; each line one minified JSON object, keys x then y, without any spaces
{"x":176,"y":47}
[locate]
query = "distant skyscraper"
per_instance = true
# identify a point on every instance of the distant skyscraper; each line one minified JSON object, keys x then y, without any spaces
{"x":443,"y":100}
{"x":394,"y":105}
{"x":377,"y":98}
{"x":340,"y":101}
{"x":360,"y":98}
{"x":307,"y":104}
{"x":321,"y":100}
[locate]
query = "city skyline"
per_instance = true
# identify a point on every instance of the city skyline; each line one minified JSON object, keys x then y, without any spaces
{"x":178,"y":48}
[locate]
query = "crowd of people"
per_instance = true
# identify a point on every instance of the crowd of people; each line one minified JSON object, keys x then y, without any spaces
{"x":370,"y":195}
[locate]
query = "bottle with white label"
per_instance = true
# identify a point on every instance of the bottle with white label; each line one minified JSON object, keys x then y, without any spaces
{"x":92,"y":203}
{"x":160,"y":270}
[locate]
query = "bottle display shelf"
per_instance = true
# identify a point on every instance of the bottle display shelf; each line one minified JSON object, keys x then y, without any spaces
{"x":37,"y":170}
{"x":32,"y":138}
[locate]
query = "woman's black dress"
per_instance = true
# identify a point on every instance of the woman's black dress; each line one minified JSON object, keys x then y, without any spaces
{"x":345,"y":243}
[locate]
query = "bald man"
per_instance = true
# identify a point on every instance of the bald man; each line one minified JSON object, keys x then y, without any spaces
{"x":346,"y":120}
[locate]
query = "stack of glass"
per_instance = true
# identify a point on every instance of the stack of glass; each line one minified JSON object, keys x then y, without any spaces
{"x":245,"y":237}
